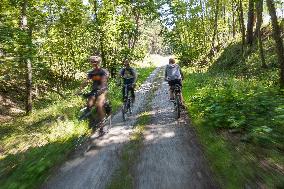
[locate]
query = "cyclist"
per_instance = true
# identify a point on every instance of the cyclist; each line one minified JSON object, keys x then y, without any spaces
{"x":98,"y":76}
{"x":129,"y":76}
{"x":173,"y":75}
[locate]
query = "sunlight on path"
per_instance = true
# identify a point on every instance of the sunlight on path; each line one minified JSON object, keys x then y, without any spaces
{"x":155,"y":59}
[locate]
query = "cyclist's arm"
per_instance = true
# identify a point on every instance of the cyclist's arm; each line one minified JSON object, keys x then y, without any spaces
{"x":105,"y":77}
{"x":166,"y":74}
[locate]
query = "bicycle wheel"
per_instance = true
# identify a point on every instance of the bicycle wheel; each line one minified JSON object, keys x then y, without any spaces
{"x":84,"y":114}
{"x":129,"y":102}
{"x":124,"y":109}
{"x":178,"y":106}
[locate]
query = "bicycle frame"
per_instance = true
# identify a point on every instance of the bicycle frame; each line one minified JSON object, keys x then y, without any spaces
{"x":127,"y":102}
{"x":177,"y":102}
{"x":92,"y":121}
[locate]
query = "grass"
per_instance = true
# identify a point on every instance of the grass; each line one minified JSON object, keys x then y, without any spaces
{"x":123,"y":177}
{"x":32,"y":145}
{"x":237,"y":109}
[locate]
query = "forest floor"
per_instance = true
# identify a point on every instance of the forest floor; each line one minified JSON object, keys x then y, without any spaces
{"x":169,"y":156}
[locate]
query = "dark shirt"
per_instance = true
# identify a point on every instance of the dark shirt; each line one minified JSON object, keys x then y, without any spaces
{"x":99,"y":77}
{"x":129,"y":75}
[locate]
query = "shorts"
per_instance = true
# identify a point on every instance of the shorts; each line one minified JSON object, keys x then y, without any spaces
{"x":174,"y":82}
{"x":96,"y":92}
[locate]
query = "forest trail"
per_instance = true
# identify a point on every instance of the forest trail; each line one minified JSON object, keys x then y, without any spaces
{"x":170,"y":158}
{"x":94,"y":168}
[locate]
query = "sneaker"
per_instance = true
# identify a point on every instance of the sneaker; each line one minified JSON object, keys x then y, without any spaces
{"x":101,"y":131}
{"x":172,"y":99}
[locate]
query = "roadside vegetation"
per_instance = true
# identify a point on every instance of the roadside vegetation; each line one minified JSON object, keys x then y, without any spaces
{"x":32,"y":145}
{"x":233,"y":56}
{"x":238,"y":111}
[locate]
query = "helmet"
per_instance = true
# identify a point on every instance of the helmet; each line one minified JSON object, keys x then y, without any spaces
{"x":95,"y":59}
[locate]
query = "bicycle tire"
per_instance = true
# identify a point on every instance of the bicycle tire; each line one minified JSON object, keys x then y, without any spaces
{"x":129,"y":109}
{"x":178,"y":106}
{"x":124,"y":111}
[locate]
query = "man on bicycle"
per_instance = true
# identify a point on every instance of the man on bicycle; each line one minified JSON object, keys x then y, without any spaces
{"x":129,"y":76}
{"x":173,"y":75}
{"x":97,"y":97}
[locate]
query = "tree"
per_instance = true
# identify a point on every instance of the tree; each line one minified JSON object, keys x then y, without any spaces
{"x":25,"y":55}
{"x":241,"y":21}
{"x":277,"y":38}
{"x":215,"y":33}
{"x":250,"y":22}
{"x":259,"y":10}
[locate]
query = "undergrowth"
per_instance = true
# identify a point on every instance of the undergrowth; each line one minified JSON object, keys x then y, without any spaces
{"x":32,"y":145}
{"x":238,"y":110}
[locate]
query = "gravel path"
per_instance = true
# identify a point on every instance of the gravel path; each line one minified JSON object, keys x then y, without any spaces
{"x":171,"y":157}
{"x":94,"y":168}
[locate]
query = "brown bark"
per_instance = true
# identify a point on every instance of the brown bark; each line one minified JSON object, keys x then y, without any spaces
{"x":101,"y":34}
{"x":277,"y":38}
{"x":241,"y":21}
{"x":259,"y":10}
{"x":234,"y":19}
{"x":26,"y":54}
{"x":250,"y":22}
{"x":215,"y":26}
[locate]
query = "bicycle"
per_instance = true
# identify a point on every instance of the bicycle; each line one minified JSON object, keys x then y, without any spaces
{"x":93,"y":121}
{"x":127,"y":102}
{"x":177,"y":100}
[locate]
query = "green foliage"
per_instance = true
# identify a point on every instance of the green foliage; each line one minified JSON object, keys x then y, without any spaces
{"x":63,"y":35}
{"x":247,"y":105}
{"x":33,"y":145}
{"x":237,"y":108}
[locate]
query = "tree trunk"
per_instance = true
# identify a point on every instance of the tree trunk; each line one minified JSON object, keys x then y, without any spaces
{"x":250,"y":22}
{"x":100,"y":33}
{"x":25,"y":55}
{"x":259,"y":10}
{"x":277,"y":38}
{"x":203,"y":24}
{"x":215,"y":26}
{"x":234,"y":19}
{"x":242,"y":23}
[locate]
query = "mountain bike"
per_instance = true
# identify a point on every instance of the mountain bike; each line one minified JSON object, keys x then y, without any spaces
{"x":127,"y":102}
{"x":94,"y":122}
{"x":177,"y":100}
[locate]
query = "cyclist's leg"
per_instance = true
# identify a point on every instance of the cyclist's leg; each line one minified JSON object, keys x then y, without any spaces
{"x":91,"y":102}
{"x":171,"y":84}
{"x":123,"y":93}
{"x":132,"y":94}
{"x":179,"y":82}
{"x":100,"y":105}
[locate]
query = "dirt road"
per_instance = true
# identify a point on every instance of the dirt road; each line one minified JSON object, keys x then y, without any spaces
{"x":171,"y":156}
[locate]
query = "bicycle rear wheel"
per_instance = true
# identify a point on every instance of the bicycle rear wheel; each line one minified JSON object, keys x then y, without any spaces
{"x":124,"y":110}
{"x":178,"y":106}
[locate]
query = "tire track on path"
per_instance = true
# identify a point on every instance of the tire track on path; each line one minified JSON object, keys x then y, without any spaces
{"x":171,"y":157}
{"x":94,"y":168}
